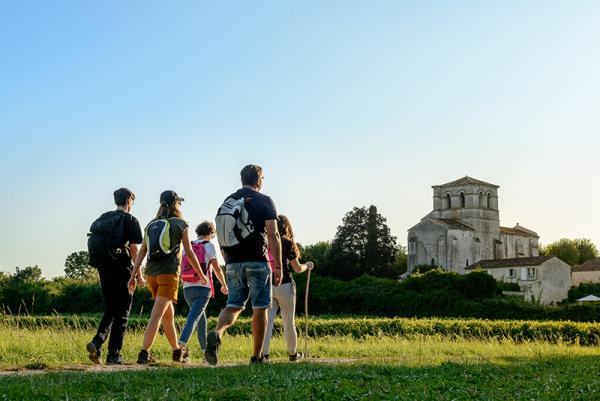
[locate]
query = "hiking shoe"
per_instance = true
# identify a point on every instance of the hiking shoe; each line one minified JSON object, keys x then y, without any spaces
{"x":94,"y":353}
{"x":181,"y":355}
{"x":114,"y":359}
{"x":266,"y":356}
{"x":213,"y":342}
{"x":298,"y":356}
{"x":145,"y":357}
{"x":257,"y":360}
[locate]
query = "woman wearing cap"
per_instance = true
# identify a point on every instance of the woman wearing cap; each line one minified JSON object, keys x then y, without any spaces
{"x":163,"y":238}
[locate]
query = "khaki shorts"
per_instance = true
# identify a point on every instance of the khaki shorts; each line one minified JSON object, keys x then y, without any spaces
{"x":164,"y":285}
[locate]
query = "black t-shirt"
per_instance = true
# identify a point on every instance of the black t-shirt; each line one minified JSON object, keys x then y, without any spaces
{"x":254,"y":248}
{"x":132,"y":234}
{"x":287,"y":255}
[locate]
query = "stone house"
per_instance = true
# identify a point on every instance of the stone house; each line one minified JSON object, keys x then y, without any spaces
{"x":546,"y":279}
{"x":588,"y":272}
{"x":464,"y":227}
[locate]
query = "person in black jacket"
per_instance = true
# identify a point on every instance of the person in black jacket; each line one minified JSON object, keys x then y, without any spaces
{"x":115,"y":270}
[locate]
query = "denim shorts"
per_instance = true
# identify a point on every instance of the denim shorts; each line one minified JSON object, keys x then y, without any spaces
{"x":249,"y":280}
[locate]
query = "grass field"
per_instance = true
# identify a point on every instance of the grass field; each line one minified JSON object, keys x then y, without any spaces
{"x":374,"y":367}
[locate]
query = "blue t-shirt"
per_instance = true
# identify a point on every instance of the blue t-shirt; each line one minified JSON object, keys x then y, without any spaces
{"x":253,"y":248}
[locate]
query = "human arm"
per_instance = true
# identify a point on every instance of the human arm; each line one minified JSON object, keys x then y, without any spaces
{"x":220,"y":276}
{"x":275,"y":246}
{"x":134,"y":250}
{"x":136,"y":266}
{"x":191,"y":255}
{"x":301,"y":267}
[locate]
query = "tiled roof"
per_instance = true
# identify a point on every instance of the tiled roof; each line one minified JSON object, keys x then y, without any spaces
{"x":515,"y":262}
{"x":453,"y":223}
{"x":589,"y":266}
{"x":517,"y":230}
{"x":466,"y":180}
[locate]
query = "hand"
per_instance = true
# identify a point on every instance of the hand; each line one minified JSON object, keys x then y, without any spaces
{"x":203,"y":279}
{"x":224,"y":290}
{"x":278,"y":276}
{"x":310,"y":265}
{"x":131,"y":285}
{"x":141,"y":282}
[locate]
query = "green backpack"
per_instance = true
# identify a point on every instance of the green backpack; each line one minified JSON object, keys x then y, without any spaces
{"x":158,"y":240}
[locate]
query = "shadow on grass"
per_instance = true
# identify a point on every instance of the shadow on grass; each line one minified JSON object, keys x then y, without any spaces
{"x":545,"y":378}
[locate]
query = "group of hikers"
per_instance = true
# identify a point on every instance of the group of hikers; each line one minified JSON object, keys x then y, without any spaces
{"x":259,"y":250}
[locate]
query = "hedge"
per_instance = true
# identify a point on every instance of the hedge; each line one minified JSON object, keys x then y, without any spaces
{"x":433,"y":294}
{"x":514,"y":330}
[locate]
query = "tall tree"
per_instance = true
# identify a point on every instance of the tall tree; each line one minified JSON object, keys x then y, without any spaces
{"x":77,"y":265}
{"x":316,"y":253}
{"x":362,"y":244}
{"x":572,"y":251}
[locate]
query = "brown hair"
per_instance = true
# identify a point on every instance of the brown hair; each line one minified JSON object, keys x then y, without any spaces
{"x":251,"y":175}
{"x":121,"y":196}
{"x":286,"y":232}
{"x":167,"y":211}
{"x":205,"y":228}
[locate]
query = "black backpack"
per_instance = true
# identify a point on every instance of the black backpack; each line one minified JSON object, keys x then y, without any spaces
{"x":105,"y":239}
{"x":158,"y":240}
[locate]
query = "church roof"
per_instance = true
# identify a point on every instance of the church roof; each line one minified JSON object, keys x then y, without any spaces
{"x":514,"y":262}
{"x":466,"y":180}
{"x":589,"y":266}
{"x":453,"y":223}
{"x":518,"y":230}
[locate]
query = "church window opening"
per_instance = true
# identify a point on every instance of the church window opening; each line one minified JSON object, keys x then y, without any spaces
{"x":447,"y":202}
{"x":489,"y":201}
{"x":462,"y":200}
{"x":482,"y":200}
{"x":432,"y":262}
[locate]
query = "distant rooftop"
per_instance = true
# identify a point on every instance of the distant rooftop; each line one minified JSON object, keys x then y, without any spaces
{"x":466,"y":180}
{"x":453,"y":223}
{"x":589,"y":266}
{"x":518,"y":230}
{"x":514,"y":262}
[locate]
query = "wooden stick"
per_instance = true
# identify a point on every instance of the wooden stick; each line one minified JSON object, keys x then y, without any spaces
{"x":306,"y":315}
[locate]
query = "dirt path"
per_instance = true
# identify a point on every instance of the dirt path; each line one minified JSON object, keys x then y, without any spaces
{"x":135,"y":367}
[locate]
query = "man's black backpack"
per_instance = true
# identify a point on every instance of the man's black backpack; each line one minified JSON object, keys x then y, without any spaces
{"x":105,"y":239}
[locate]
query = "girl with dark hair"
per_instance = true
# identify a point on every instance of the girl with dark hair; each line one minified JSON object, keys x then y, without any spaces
{"x":163,"y":238}
{"x":284,"y":296}
{"x":197,"y":295}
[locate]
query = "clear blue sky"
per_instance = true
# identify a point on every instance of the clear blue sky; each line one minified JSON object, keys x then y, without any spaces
{"x":343,"y":103}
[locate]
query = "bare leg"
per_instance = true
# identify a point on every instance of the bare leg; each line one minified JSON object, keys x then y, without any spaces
{"x":169,"y":326}
{"x":259,"y":328}
{"x":158,"y":310}
{"x":227,"y":317}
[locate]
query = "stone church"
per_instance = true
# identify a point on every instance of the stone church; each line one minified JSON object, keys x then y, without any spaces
{"x":464,"y":228}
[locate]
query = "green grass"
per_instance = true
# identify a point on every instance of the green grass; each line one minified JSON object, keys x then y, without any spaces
{"x":414,"y":367}
{"x":360,"y":327}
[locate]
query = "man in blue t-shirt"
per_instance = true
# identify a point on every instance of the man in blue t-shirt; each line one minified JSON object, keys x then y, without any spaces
{"x":248,"y":272}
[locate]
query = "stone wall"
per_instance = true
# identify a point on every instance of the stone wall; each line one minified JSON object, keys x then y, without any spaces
{"x":585,"y":277}
{"x":519,"y":246}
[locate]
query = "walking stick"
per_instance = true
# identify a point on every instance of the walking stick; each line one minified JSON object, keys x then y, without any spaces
{"x":306,"y":315}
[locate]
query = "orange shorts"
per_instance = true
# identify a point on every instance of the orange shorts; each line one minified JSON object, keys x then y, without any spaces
{"x":164,"y":285}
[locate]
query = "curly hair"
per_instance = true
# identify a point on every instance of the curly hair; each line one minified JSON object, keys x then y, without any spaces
{"x":205,"y":228}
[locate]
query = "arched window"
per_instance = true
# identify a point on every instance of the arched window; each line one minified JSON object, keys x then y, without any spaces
{"x":482,"y":200}
{"x":489,"y":200}
{"x":447,"y":202}
{"x":462,"y":200}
